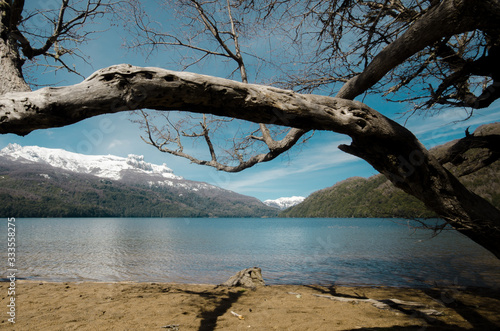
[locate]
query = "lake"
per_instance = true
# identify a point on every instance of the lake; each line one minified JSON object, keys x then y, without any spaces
{"x":208,"y":250}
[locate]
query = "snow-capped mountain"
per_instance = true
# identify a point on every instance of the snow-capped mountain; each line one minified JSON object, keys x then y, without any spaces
{"x":104,"y":166}
{"x":130,"y":169}
{"x":43,"y":182}
{"x":285,"y":202}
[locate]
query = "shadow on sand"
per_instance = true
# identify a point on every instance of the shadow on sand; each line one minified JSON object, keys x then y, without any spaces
{"x":222,"y":303}
{"x":449,"y":298}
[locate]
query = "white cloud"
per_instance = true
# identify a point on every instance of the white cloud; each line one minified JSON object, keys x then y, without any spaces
{"x":115,"y":143}
{"x":324,"y":155}
{"x":449,"y":125}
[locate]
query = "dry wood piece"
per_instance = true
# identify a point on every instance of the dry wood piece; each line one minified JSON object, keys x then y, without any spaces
{"x":250,"y":277}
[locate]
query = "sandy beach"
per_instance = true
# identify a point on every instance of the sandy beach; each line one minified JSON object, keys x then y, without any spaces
{"x":166,"y":306}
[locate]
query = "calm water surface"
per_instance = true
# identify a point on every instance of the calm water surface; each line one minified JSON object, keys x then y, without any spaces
{"x":289,"y":251}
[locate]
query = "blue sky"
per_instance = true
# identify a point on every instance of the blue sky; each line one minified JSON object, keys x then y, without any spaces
{"x":307,"y":168}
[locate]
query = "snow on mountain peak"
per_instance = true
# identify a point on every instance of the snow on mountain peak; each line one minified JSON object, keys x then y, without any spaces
{"x":284,"y":202}
{"x":105,"y":166}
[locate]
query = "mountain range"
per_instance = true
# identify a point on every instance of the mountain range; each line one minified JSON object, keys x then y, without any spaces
{"x":474,"y":159}
{"x":42,"y":182}
{"x":284,"y":202}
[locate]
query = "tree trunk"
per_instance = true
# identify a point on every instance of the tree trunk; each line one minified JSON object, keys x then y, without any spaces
{"x":10,"y":67}
{"x":410,"y":167}
{"x":387,"y":146}
{"x":10,"y":62}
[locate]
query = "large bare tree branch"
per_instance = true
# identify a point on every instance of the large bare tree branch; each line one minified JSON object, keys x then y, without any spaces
{"x":124,"y":87}
{"x":448,"y":18}
{"x":378,"y":44}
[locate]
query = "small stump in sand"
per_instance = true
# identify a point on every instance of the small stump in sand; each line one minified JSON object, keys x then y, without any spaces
{"x":250,"y":277}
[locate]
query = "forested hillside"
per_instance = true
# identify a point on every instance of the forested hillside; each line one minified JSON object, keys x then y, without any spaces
{"x":474,"y":159}
{"x":30,"y":191}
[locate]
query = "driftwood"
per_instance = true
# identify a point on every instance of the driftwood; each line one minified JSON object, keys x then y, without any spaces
{"x":250,"y":277}
{"x":387,"y":304}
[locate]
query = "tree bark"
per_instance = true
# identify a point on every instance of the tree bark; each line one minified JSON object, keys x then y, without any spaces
{"x":10,"y":61}
{"x":387,"y":146}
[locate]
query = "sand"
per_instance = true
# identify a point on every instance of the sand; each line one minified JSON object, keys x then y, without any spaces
{"x":166,"y":306}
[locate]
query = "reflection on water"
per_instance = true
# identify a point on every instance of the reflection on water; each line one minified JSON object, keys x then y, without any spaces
{"x":289,"y":251}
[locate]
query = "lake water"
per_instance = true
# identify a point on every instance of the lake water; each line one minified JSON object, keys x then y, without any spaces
{"x":289,"y":251}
